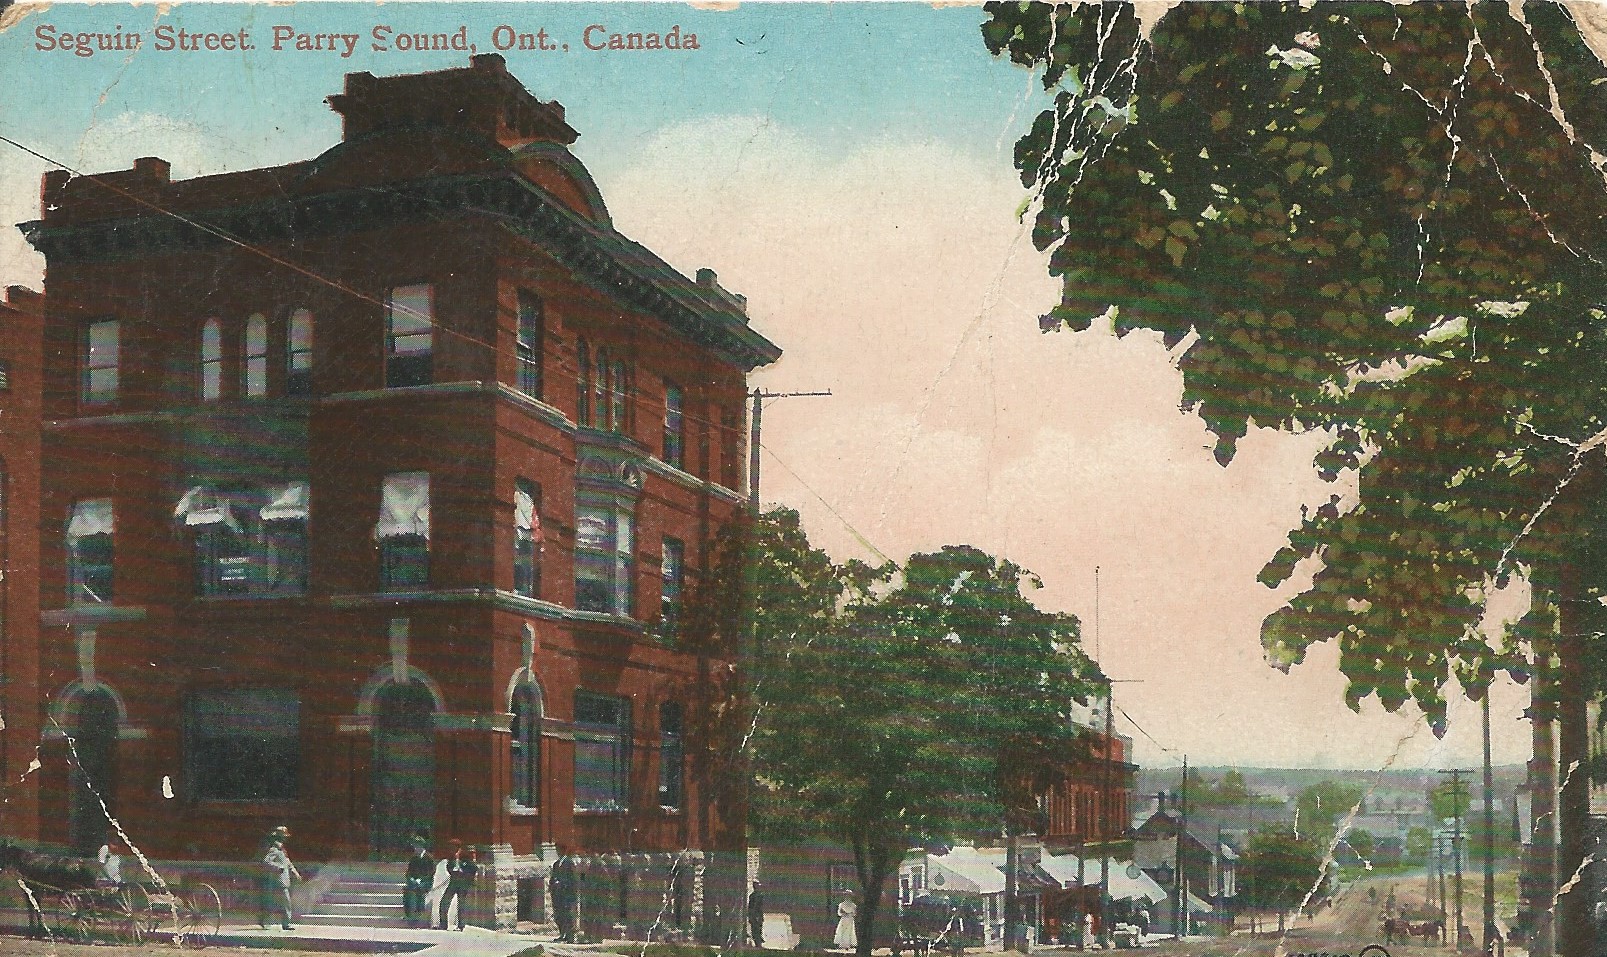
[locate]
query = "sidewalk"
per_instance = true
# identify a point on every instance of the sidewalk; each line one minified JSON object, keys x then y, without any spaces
{"x":472,"y":942}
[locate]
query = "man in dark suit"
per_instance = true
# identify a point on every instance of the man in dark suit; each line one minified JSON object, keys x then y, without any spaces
{"x":461,"y":870}
{"x":756,"y":915}
{"x":420,"y":875}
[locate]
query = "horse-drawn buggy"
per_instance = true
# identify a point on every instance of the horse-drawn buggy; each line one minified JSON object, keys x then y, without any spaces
{"x":68,"y":897}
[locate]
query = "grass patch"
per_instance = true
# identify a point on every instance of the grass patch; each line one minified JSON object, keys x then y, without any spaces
{"x":535,"y":951}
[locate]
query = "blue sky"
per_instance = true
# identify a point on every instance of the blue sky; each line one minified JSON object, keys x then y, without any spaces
{"x":838,"y":73}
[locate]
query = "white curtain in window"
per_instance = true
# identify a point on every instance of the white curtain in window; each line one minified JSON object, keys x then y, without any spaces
{"x":404,"y":505}
{"x":202,"y":506}
{"x":90,"y":517}
{"x":289,"y":502}
{"x":525,"y":518}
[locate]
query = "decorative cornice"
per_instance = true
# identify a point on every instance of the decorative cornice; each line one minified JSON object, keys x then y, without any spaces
{"x":596,"y":253}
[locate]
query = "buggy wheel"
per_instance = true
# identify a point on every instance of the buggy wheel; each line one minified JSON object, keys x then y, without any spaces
{"x":133,"y":914}
{"x":75,"y":917}
{"x":201,"y":914}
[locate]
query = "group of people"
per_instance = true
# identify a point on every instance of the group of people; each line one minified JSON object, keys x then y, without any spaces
{"x":462,"y":867}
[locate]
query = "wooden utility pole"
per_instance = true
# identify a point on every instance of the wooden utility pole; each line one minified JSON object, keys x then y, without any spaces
{"x":1457,"y":791}
{"x":1490,"y":933}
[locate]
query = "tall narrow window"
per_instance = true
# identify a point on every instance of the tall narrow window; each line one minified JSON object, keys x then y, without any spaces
{"x":529,"y":344}
{"x":582,"y":384}
{"x":254,"y":365}
{"x":298,"y":354}
{"x":409,"y":336}
{"x":98,"y":362}
{"x":604,"y":567}
{"x":403,"y":531}
{"x":89,"y":552}
{"x":616,"y":417}
{"x":730,"y":448}
{"x":211,"y":360}
{"x":526,"y":740}
{"x":599,"y":391}
{"x":671,"y":755}
{"x":602,"y":752}
{"x":674,"y":427}
{"x":527,"y":539}
{"x":673,"y":572}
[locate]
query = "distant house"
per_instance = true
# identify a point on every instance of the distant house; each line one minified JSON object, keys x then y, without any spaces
{"x":1206,"y":867}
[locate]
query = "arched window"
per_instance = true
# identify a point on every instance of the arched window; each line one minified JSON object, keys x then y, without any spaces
{"x":254,"y":367}
{"x":526,"y":741}
{"x":674,"y":427}
{"x":211,"y":360}
{"x":298,"y":354}
{"x":616,"y":418}
{"x":599,"y":391}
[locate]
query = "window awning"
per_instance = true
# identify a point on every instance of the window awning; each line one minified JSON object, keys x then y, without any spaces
{"x":90,"y":517}
{"x":287,"y":502}
{"x":525,"y":517}
{"x":202,"y":506}
{"x":404,"y":505}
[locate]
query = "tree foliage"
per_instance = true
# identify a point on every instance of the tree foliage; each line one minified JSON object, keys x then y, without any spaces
{"x":1280,"y":869}
{"x":903,"y":706}
{"x":1321,"y":807}
{"x":1383,"y":222}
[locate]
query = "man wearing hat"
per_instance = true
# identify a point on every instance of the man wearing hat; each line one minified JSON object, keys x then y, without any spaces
{"x":461,"y":870}
{"x":420,"y":875}
{"x":280,"y":871}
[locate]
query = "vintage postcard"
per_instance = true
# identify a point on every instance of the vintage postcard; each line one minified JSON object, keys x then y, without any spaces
{"x":836,"y":477}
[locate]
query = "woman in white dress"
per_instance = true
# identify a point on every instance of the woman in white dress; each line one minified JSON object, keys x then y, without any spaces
{"x":846,"y":938}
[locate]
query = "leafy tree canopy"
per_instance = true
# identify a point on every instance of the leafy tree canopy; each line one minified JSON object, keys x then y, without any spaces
{"x":1383,"y":222}
{"x":904,"y":706}
{"x":1323,"y":805}
{"x":1280,"y":869}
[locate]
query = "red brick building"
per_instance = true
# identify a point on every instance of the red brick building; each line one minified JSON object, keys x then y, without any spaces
{"x":21,"y":329}
{"x":371,"y":486}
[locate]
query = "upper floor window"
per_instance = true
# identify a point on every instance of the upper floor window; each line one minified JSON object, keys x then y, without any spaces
{"x":211,"y":360}
{"x":599,"y":391}
{"x":403,"y":531}
{"x":254,"y":364}
{"x":529,"y":344}
{"x":582,"y":384}
{"x":618,"y":389}
{"x":98,"y":362}
{"x":602,"y":752}
{"x":409,"y":336}
{"x":526,"y":741}
{"x":527,"y":538}
{"x":673,"y":573}
{"x":298,"y":354}
{"x":730,"y":448}
{"x":248,"y":541}
{"x":605,"y":570}
{"x":90,"y":531}
{"x":671,"y":755}
{"x":5,"y":375}
{"x":674,"y":427}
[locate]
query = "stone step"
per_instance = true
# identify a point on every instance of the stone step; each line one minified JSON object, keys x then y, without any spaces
{"x":321,"y":919}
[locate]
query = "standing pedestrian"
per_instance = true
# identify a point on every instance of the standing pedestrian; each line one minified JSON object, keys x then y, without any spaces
{"x":562,"y":887}
{"x":420,"y":875}
{"x":756,"y":915}
{"x":847,"y":935}
{"x":280,"y":872}
{"x":111,"y":862}
{"x":461,"y":870}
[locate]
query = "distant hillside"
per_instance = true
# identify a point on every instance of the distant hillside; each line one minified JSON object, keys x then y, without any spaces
{"x":1385,"y":786}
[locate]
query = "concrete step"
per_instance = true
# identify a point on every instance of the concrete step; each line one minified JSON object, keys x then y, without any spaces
{"x":350,"y":920}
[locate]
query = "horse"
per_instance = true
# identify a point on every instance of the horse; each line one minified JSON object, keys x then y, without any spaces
{"x":1433,"y":929}
{"x":40,"y":871}
{"x":1396,"y":927}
